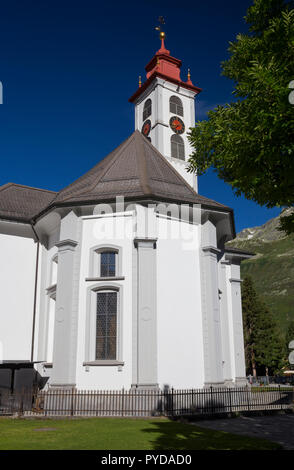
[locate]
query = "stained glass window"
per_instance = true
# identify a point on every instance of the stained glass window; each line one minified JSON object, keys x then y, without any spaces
{"x":107,"y":263}
{"x":106,"y":325}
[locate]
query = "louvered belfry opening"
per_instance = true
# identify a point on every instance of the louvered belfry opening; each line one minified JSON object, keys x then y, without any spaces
{"x":176,"y":106}
{"x":177,"y":147}
{"x":147,"y":109}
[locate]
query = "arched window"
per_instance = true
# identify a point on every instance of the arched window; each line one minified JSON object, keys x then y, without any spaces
{"x":106,"y":325}
{"x":177,"y":147}
{"x":147,"y":109}
{"x":105,"y":261}
{"x":176,"y":106}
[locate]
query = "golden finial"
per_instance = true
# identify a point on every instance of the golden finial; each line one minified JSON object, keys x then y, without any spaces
{"x":189,"y":74}
{"x":140,"y":81}
{"x":158,"y":28}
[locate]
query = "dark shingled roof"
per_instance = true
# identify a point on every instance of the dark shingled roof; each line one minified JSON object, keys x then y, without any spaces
{"x":135,"y":169}
{"x":21,"y":203}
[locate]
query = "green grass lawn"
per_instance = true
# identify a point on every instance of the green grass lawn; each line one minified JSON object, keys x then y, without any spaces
{"x":118,"y":434}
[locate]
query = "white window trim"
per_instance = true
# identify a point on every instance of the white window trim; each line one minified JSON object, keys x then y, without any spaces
{"x":90,"y":339}
{"x":95,"y":263}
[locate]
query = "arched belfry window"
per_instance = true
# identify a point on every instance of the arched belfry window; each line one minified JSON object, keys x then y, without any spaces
{"x":147,"y":109}
{"x":177,"y":147}
{"x":176,"y":106}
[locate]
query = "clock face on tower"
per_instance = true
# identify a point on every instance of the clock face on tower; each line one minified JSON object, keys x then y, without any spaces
{"x":146,"y":128}
{"x":177,"y":125}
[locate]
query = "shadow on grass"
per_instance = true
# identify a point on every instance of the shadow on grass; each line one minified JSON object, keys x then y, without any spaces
{"x":173,"y":435}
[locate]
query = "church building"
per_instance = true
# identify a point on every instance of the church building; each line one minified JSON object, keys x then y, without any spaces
{"x":122,"y":279}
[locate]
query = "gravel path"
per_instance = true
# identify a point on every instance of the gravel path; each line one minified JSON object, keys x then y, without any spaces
{"x":279,"y":428}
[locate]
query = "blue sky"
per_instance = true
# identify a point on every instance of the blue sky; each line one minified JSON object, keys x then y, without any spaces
{"x":69,"y":67}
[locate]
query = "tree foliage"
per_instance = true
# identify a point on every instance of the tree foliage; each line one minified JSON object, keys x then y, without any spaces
{"x":249,"y":142}
{"x":264,"y":349}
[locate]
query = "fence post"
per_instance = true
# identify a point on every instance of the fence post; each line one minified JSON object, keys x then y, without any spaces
{"x":123,"y":400}
{"x":21,"y":403}
{"x":280,"y":396}
{"x":248,"y":401}
{"x":211,"y":400}
{"x":72,"y":402}
{"x":230,"y":399}
{"x":172,"y":402}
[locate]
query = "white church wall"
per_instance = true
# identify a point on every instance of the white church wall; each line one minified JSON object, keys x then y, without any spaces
{"x":17,"y":286}
{"x":98,"y":231}
{"x":179,"y":317}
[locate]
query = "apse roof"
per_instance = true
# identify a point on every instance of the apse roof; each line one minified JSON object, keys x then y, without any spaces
{"x":135,"y":170}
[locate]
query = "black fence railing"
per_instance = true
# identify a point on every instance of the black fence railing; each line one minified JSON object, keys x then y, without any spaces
{"x":137,"y":402}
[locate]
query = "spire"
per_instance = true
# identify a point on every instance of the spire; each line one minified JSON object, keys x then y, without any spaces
{"x":189,"y":81}
{"x":162,"y":49}
{"x":165,"y":66}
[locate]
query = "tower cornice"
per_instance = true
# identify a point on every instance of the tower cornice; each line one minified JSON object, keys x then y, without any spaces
{"x":155,"y":74}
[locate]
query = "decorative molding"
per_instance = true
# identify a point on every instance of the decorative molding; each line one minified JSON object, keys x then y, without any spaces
{"x":104,"y":363}
{"x":66,"y":245}
{"x":113,"y":278}
{"x":145,"y":241}
{"x":211,"y":249}
{"x":51,"y":290}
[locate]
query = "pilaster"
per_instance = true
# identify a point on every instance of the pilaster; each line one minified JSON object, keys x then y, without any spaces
{"x":213,"y":370}
{"x":237,"y":325}
{"x":66,"y":317}
{"x":146,"y":314}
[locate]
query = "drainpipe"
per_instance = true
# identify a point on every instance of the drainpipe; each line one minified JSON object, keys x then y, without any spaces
{"x":35,"y":294}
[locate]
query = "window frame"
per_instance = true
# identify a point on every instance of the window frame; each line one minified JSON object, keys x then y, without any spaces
{"x":90,"y":338}
{"x":145,"y":108}
{"x":106,"y":335}
{"x":176,"y":136}
{"x":177,"y":106}
{"x":95,"y":262}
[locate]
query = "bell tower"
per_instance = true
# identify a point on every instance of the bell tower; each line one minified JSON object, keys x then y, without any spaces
{"x":165,"y":109}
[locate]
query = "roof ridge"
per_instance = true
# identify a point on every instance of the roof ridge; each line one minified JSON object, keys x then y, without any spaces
{"x":171,"y":167}
{"x":7,"y":185}
{"x":141,"y":158}
{"x":109,"y":157}
{"x":180,"y":176}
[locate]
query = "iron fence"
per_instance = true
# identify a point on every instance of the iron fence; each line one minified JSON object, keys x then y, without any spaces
{"x":144,"y":403}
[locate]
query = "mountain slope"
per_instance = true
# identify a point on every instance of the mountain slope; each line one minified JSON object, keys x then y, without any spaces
{"x":272,"y":268}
